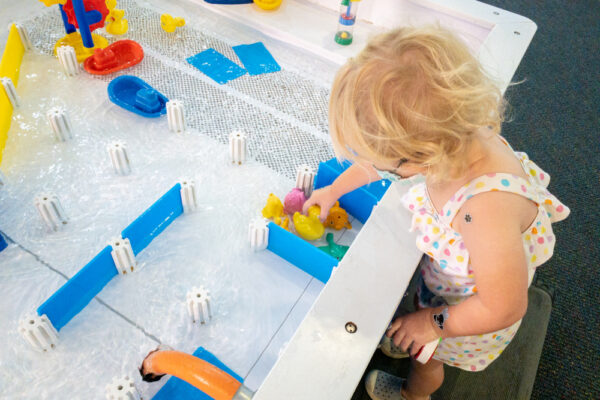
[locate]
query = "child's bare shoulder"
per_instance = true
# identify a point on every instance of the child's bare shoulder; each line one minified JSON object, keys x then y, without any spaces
{"x":495,"y":209}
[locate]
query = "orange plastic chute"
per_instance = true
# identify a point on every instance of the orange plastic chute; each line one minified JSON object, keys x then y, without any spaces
{"x":212,"y":380}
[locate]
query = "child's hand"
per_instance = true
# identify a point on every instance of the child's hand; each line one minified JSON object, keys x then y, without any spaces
{"x":324,"y":198}
{"x":413,"y":331}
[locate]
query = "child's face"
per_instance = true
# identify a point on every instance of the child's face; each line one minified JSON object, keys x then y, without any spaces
{"x":403,"y":169}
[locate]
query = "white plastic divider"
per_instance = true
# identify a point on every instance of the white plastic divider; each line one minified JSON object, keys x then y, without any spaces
{"x":68,"y":60}
{"x":329,"y":352}
{"x":122,"y":255}
{"x":176,"y":116}
{"x":189,"y":197}
{"x":39,"y":332}
{"x":11,"y":92}
{"x":51,"y":211}
{"x":198,"y":305}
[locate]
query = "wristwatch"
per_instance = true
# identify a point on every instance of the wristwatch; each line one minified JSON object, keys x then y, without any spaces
{"x":441,"y":318}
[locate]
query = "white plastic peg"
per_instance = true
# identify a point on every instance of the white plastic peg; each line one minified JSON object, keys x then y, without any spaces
{"x":68,"y":60}
{"x":51,"y":211}
{"x":189,"y":199}
{"x":122,"y":389}
{"x":198,"y":305}
{"x":258,"y":234}
{"x":11,"y":92}
{"x":305,"y":177}
{"x":237,"y":147}
{"x":122,"y":255}
{"x":60,"y":124}
{"x":175,"y":116}
{"x":39,"y":332}
{"x":119,"y":157}
{"x":23,"y":35}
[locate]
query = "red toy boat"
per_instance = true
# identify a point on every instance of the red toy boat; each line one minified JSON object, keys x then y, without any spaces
{"x":117,"y":56}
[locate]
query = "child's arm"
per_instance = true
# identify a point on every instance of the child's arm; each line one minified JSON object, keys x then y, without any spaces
{"x":354,"y":177}
{"x":493,"y":238}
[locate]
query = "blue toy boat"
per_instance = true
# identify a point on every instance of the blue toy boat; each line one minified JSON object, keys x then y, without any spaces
{"x":137,"y":96}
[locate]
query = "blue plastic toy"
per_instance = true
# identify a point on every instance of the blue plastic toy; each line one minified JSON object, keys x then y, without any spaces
{"x":3,"y":243}
{"x":77,"y":292}
{"x":175,"y":388}
{"x":137,"y":96}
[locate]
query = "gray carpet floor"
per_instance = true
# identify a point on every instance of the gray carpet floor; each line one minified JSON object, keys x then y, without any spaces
{"x":555,"y":120}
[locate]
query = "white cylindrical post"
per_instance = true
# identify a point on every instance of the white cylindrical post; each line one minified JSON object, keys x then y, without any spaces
{"x":119,"y":157}
{"x":198,"y":305}
{"x":189,"y":199}
{"x":258,"y":234}
{"x":39,"y":332}
{"x":24,"y":37}
{"x":60,"y":124}
{"x":51,"y":211}
{"x":122,"y":389}
{"x":68,"y":60}
{"x":122,"y":255}
{"x":11,"y":92}
{"x":237,"y":147}
{"x":175,"y":116}
{"x":305,"y":177}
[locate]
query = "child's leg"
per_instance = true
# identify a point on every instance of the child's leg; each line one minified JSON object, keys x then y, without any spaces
{"x":423,"y":379}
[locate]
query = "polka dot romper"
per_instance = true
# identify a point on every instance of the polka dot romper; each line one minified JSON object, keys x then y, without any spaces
{"x":447,"y":277}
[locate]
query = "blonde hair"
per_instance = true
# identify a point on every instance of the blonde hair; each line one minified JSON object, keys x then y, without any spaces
{"x":416,"y":94}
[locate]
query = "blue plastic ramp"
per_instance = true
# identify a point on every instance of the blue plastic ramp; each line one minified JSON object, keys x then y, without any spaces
{"x":216,"y":66}
{"x":299,"y":252}
{"x":256,"y":58}
{"x":154,"y":220}
{"x":175,"y":388}
{"x":78,"y":291}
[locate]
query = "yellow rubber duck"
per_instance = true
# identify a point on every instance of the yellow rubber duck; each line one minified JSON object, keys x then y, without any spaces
{"x":49,"y":3}
{"x":285,"y":223}
{"x":337,"y":218}
{"x":274,"y":209}
{"x":268,"y":4}
{"x":309,"y":228}
{"x":116,"y":24}
{"x":169,"y":23}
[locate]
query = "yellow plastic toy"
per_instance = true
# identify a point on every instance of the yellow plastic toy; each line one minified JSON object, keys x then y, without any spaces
{"x":274,"y":209}
{"x":74,"y":40}
{"x":285,"y":223}
{"x":49,"y":3}
{"x":337,"y":218}
{"x":309,"y":228}
{"x":268,"y":4}
{"x":116,"y":24}
{"x":170,"y":23}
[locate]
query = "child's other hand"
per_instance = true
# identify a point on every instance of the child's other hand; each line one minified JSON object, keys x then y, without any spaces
{"x":324,"y":198}
{"x":413,"y":331}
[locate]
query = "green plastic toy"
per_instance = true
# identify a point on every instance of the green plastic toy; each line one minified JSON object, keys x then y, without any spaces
{"x":333,"y":249}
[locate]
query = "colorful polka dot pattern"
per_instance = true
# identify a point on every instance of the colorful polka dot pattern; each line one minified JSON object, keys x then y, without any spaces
{"x":447,"y":271}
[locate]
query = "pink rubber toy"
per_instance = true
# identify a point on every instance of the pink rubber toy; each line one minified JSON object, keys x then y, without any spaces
{"x":294,"y":201}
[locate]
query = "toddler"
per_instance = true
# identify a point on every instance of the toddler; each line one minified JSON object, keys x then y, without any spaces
{"x":416,"y":101}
